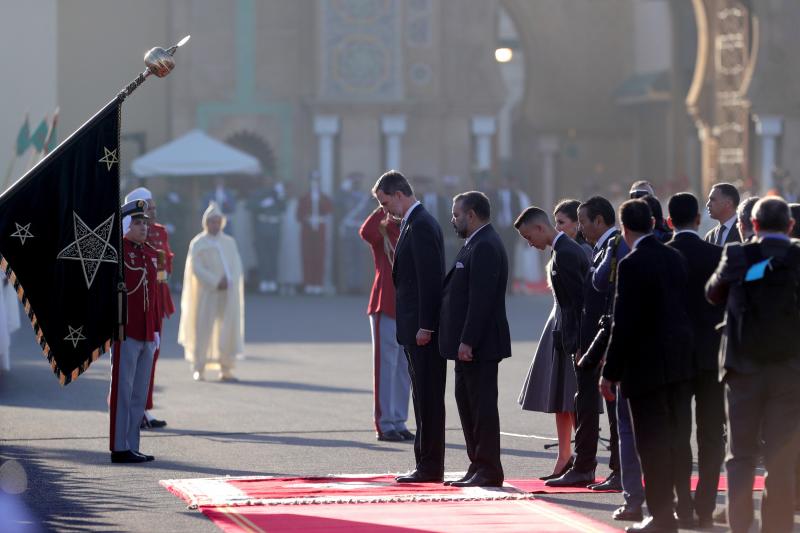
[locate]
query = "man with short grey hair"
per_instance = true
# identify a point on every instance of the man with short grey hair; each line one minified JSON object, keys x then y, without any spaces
{"x":759,"y":282}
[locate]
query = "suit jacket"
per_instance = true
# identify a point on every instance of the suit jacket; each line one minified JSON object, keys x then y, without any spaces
{"x":731,"y":272}
{"x":651,"y":339}
{"x":474,"y":300}
{"x":417,"y":274}
{"x":702,"y":259}
{"x":733,"y":235}
{"x":566,"y":272}
{"x":382,"y":296}
{"x":595,"y":303}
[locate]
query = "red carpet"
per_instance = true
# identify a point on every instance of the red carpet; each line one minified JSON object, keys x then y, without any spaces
{"x":256,"y":490}
{"x":258,"y":503}
{"x":432,"y":517}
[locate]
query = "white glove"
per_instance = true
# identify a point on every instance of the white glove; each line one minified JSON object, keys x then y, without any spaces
{"x":157,"y":340}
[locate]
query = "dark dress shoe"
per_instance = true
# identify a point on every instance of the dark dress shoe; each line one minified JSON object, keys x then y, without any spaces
{"x":477,"y":480}
{"x":127,"y":457}
{"x":146,"y":457}
{"x":418,"y":477}
{"x":651,"y":525}
{"x":572,"y":478}
{"x":390,"y":436}
{"x":156,"y":423}
{"x":612,"y":482}
{"x":406,"y":434}
{"x":467,"y":476}
{"x":628,"y":514}
{"x":563,"y":471}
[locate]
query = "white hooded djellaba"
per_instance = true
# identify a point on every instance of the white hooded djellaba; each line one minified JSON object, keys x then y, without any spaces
{"x":211,"y":330}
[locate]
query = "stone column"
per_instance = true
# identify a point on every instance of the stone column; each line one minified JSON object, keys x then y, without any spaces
{"x":769,"y":128}
{"x":548,"y":146}
{"x":393,"y":127}
{"x":483,"y":127}
{"x":326,"y":127}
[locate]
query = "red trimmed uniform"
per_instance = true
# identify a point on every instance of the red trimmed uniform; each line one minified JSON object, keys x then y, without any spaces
{"x":158,"y":239}
{"x":132,"y":358}
{"x":391,"y":381}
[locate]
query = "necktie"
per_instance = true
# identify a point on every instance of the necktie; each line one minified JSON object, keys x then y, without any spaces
{"x":720,"y":234}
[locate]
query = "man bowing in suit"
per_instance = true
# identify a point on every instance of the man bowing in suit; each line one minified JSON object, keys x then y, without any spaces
{"x":474,"y":332}
{"x":417,"y":273}
{"x":566,"y":274}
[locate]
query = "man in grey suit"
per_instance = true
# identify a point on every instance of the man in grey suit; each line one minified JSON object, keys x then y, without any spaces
{"x":760,"y":282}
{"x":566,"y":275}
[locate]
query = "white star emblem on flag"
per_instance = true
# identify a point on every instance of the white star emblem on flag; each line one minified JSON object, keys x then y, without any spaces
{"x":23,"y":232}
{"x":75,"y":336}
{"x":91,"y":247}
{"x":109,"y":158}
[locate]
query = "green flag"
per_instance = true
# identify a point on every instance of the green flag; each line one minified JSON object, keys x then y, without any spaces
{"x":24,"y":137}
{"x":40,"y":136}
{"x":52,"y":138}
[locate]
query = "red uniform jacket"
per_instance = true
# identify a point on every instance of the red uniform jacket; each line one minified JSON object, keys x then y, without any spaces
{"x":158,"y":238}
{"x":381,"y":299}
{"x":144,"y":318}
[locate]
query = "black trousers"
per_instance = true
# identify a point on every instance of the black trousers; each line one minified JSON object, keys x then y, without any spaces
{"x":476,"y":397}
{"x":587,"y":418}
{"x":428,"y":372}
{"x":613,"y":460}
{"x":662,"y":427}
{"x":709,"y":397}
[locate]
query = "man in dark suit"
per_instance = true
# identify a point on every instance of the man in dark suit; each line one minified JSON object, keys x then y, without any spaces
{"x":567,"y":273}
{"x":474,"y":332}
{"x":650,"y":355}
{"x":417,"y":273}
{"x":702,"y":258}
{"x":596,"y":217}
{"x":761,"y":393}
{"x":722,"y":203}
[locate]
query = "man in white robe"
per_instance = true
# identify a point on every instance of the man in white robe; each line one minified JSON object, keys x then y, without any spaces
{"x":211,"y":330}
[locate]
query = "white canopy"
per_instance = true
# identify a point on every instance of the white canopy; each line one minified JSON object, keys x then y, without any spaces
{"x":195,"y":154}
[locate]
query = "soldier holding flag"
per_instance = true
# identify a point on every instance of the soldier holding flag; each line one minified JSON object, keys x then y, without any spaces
{"x":132,"y":358}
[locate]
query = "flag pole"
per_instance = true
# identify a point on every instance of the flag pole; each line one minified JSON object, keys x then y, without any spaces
{"x":159,"y":62}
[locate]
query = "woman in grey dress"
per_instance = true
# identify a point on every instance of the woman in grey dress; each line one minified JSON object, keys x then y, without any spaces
{"x":551,"y":384}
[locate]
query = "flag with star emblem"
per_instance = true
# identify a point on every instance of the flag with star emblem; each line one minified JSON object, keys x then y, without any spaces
{"x":61,"y":245}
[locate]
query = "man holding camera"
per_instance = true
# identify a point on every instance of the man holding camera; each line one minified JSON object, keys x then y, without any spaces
{"x":650,"y":355}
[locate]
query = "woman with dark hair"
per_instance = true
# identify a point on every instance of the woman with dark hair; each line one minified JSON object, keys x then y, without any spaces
{"x":551,"y":384}
{"x":661,"y":230}
{"x":566,"y":216}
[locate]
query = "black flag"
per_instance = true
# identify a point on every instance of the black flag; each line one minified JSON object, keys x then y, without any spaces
{"x":61,"y":245}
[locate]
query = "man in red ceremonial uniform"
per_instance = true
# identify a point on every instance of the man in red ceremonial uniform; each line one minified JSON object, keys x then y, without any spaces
{"x":132,"y":358}
{"x":391,"y":380}
{"x":314,"y":213}
{"x":158,"y":240}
